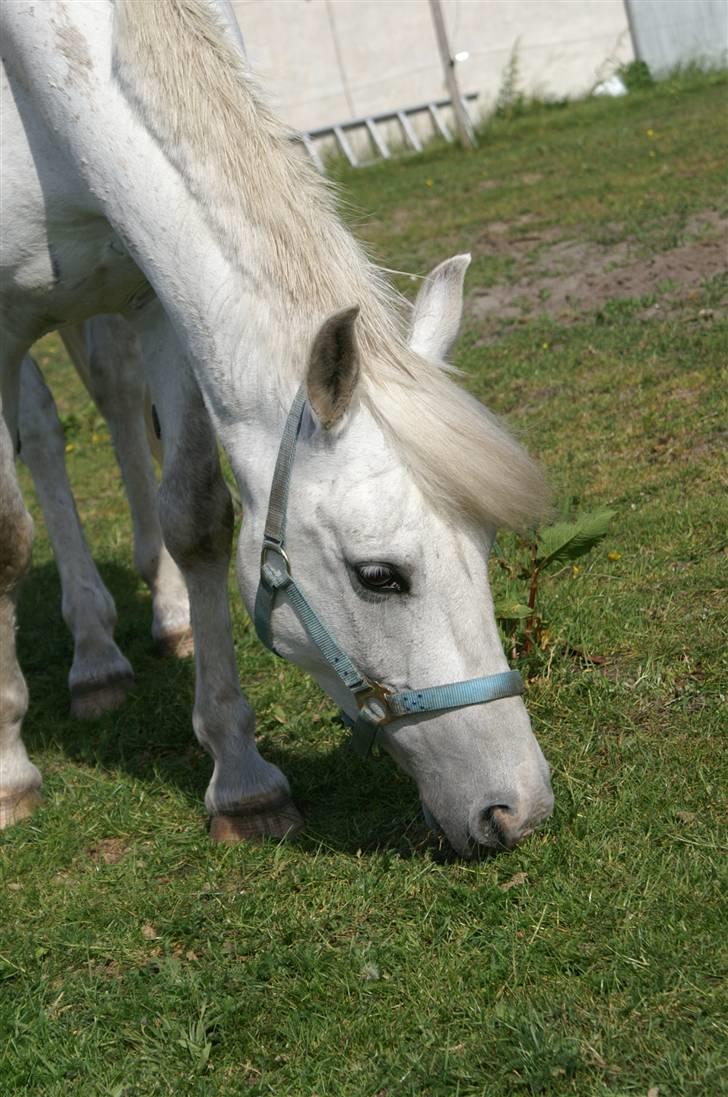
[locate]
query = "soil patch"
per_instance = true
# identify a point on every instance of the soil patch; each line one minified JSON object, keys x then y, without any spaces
{"x":109,"y":851}
{"x":567,"y":278}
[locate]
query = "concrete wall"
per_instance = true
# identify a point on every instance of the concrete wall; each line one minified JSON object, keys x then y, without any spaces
{"x":668,"y":33}
{"x":324,"y":61}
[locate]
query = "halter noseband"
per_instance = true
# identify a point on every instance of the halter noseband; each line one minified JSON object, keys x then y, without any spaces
{"x":377,"y":704}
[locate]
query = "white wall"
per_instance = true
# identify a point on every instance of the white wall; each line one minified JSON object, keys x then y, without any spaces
{"x":668,"y":33}
{"x":324,"y":61}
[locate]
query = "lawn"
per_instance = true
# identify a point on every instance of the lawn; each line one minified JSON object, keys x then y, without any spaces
{"x":138,"y":959}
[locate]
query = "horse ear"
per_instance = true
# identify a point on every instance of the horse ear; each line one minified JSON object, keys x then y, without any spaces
{"x":439,"y":308}
{"x":333,"y":367}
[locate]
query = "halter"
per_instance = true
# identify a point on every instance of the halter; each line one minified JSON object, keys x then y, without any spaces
{"x":377,"y":705}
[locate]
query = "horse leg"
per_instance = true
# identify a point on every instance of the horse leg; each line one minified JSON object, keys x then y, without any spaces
{"x":109,"y":363}
{"x":247,"y":797}
{"x":100,"y":676}
{"x":20,"y":781}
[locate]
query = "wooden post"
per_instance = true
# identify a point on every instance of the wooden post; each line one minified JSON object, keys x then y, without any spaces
{"x":462,"y":123}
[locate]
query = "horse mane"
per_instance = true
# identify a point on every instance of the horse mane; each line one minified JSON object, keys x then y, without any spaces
{"x":178,"y":68}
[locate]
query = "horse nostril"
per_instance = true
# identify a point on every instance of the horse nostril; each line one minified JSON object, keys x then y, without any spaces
{"x":498,"y":827}
{"x":489,"y":812}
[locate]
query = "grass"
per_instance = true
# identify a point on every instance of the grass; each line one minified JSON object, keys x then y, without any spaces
{"x":137,"y":959}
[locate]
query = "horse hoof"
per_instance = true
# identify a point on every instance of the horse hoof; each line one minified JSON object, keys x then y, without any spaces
{"x":278,"y":822}
{"x":180,"y":644}
{"x":13,"y":809}
{"x":92,"y":699}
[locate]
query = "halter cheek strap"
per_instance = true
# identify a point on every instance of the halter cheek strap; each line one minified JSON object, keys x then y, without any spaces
{"x":377,"y":705}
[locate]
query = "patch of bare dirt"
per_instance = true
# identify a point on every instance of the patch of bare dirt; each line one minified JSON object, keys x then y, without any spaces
{"x":567,"y":278}
{"x":514,"y":238}
{"x":109,"y":851}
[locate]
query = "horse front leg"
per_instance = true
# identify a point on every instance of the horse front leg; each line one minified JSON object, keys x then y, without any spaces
{"x":100,"y":675}
{"x":20,"y":781}
{"x":107,"y":357}
{"x":247,"y":797}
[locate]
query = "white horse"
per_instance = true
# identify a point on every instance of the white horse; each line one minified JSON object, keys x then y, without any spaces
{"x":144,"y":176}
{"x":106,"y":355}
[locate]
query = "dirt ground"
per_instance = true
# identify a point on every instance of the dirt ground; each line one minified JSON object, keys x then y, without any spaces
{"x":564,"y":278}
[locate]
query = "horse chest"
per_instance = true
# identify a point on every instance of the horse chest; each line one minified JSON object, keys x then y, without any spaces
{"x":66,"y":277}
{"x":61,"y":261}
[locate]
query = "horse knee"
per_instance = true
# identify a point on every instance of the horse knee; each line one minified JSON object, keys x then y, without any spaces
{"x":196,"y":514}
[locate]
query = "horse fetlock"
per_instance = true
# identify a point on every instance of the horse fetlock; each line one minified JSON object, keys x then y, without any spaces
{"x":243,"y":783}
{"x":20,"y":780}
{"x":16,"y":543}
{"x":13,"y":703}
{"x":177,"y":643}
{"x":15,"y":806}
{"x":171,"y":629}
{"x":99,"y":684}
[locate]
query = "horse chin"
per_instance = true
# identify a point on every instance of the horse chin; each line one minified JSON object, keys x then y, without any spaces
{"x":461,"y":844}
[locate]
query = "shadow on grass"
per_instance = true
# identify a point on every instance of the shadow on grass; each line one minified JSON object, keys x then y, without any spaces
{"x":349,"y":805}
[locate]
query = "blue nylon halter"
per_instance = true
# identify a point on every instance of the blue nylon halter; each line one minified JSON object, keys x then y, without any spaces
{"x":377,"y":704}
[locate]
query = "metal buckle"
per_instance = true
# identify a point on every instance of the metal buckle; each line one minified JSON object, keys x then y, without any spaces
{"x":373,"y":703}
{"x":270,"y":546}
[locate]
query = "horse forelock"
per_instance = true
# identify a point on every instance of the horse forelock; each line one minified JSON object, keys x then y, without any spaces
{"x":179,"y":69}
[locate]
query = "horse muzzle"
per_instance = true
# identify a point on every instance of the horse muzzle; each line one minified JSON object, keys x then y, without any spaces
{"x":496,"y":826}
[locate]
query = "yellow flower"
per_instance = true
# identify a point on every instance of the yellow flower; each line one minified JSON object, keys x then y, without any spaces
{"x":614,"y":555}
{"x":70,"y":447}
{"x":650,"y":133}
{"x":428,"y":182}
{"x":575,"y":570}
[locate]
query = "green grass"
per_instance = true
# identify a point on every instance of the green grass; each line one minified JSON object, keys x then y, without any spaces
{"x":136,"y":958}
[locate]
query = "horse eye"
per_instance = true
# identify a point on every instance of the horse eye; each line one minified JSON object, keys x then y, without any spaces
{"x":381,"y":577}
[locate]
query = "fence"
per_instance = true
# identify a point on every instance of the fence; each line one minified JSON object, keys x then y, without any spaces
{"x":369,"y":127}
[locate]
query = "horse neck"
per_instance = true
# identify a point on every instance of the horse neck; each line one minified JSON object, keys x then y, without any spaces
{"x":246,"y":340}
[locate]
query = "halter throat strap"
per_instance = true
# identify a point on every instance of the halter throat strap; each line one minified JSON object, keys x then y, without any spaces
{"x":377,"y":705}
